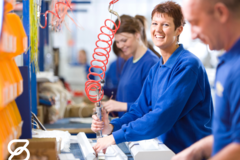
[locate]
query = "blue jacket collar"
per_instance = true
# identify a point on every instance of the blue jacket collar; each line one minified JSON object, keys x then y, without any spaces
{"x":171,"y":61}
{"x":229,"y":54}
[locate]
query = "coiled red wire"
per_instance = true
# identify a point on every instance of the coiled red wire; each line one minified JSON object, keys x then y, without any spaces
{"x":56,"y":11}
{"x":94,"y":86}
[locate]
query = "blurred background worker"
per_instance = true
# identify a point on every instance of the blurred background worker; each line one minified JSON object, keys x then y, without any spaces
{"x":113,"y":74}
{"x":217,"y":24}
{"x":175,"y":104}
{"x":82,"y":61}
{"x":132,"y":41}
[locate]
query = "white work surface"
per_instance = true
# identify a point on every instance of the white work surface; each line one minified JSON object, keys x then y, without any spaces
{"x":150,"y":149}
{"x":140,"y":150}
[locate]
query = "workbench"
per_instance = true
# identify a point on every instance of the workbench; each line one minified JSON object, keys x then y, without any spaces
{"x":81,"y":148}
{"x":139,"y":150}
{"x":75,"y":149}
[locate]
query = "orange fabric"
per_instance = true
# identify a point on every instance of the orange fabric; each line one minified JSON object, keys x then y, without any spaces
{"x":6,"y":84}
{"x":13,"y":39}
{"x":1,"y":92}
{"x":7,"y":6}
{"x":17,"y":75}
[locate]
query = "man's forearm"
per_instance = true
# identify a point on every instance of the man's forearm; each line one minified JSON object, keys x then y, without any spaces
{"x":205,"y":146}
{"x":202,"y":149}
{"x":230,"y":152}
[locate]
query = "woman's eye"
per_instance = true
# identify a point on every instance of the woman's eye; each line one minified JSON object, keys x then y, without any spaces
{"x":154,"y":23}
{"x":124,"y":40}
{"x":165,"y":24}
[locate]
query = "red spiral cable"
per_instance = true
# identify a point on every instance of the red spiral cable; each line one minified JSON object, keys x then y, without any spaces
{"x":56,"y":11}
{"x":94,"y":85}
{"x":45,"y":14}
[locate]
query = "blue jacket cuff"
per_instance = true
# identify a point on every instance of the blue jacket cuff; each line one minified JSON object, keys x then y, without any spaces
{"x":116,"y":124}
{"x":128,"y":106}
{"x":119,"y":136}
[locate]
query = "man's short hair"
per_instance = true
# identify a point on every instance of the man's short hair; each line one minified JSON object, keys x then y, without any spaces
{"x":232,"y":5}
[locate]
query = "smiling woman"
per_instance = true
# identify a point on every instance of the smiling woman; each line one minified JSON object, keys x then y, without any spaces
{"x":132,"y":41}
{"x":167,"y":25}
{"x":172,"y":12}
{"x":175,"y":104}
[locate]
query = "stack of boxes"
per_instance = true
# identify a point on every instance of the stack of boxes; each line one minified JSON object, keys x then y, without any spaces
{"x":13,"y":42}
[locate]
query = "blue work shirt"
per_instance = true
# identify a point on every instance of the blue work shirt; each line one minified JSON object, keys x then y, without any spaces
{"x":226,"y":123}
{"x":133,"y":77}
{"x":112,"y":77}
{"x":175,"y":104}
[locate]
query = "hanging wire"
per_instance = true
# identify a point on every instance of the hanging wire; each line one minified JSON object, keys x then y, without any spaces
{"x":33,"y":35}
{"x":93,"y":88}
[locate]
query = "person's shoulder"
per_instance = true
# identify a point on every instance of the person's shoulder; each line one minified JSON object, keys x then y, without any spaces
{"x":114,"y":63}
{"x":151,"y":65}
{"x":112,"y":67}
{"x":149,"y":59}
{"x":233,"y":67}
{"x":150,"y":56}
{"x":188,"y":59}
{"x":232,"y":84}
{"x":235,"y":59}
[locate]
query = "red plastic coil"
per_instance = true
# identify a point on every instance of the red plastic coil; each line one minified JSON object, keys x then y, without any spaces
{"x":94,"y":86}
{"x":56,"y":11}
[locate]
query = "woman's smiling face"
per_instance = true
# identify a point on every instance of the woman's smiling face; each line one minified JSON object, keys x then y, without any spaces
{"x":163,"y":32}
{"x":127,"y":43}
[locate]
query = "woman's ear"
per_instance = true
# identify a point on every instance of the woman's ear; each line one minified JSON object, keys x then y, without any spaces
{"x":138,"y":36}
{"x":179,"y":30}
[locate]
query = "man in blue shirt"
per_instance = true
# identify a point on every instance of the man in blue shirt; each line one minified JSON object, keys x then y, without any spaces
{"x":175,"y":103}
{"x":217,"y":23}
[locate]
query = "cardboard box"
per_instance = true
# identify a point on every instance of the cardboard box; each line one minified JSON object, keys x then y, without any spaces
{"x":39,"y":148}
{"x":79,"y":110}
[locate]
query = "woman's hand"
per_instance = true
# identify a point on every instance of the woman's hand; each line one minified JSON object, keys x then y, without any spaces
{"x":103,"y":143}
{"x":112,"y":105}
{"x":103,"y":125}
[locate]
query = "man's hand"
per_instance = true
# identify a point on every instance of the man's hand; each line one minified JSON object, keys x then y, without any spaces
{"x":198,"y":151}
{"x":188,"y":154}
{"x":230,"y":152}
{"x":113,"y":105}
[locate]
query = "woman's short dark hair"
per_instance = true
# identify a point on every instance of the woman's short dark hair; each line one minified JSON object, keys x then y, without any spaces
{"x":173,"y":10}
